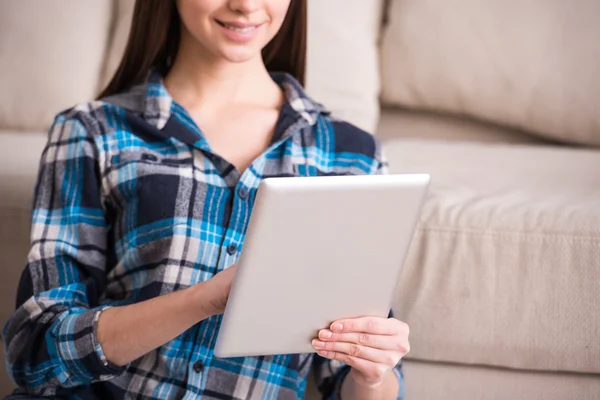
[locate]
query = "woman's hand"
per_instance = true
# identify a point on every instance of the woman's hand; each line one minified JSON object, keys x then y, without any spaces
{"x":216,"y":290}
{"x":371,"y":346}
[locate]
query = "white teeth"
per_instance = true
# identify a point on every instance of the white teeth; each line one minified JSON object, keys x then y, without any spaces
{"x":241,"y":30}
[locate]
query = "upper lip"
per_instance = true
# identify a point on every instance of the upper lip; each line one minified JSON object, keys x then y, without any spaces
{"x":239,"y":24}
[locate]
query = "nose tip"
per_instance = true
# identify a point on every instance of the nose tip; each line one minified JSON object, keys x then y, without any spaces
{"x":245,"y":6}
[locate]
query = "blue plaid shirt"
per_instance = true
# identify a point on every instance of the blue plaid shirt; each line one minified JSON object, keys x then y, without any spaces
{"x":130,"y":204}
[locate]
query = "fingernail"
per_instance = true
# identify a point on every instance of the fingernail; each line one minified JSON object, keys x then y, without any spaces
{"x":325,"y":334}
{"x":317,"y":343}
{"x":322,"y":353}
{"x":337,"y":327}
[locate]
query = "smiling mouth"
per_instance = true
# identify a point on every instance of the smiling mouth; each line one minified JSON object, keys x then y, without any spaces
{"x":241,"y":28}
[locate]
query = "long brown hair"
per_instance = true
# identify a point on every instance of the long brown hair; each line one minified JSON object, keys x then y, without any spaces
{"x":154,"y":40}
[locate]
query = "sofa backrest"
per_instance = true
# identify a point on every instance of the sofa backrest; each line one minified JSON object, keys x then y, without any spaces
{"x":529,"y":64}
{"x":51,"y":57}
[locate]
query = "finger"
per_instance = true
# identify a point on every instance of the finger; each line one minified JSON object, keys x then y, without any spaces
{"x":370,"y":370}
{"x":389,"y":358}
{"x":382,"y":342}
{"x":372,"y":325}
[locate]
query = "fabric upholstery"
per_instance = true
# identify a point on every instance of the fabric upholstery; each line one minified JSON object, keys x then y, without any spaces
{"x":19,"y":160}
{"x":49,"y":60}
{"x":533,"y":64}
{"x":428,"y":381}
{"x":122,"y":15}
{"x":398,"y":123}
{"x":342,"y":59}
{"x":504,"y":267}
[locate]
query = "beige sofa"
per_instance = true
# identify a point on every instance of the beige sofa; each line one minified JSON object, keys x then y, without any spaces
{"x":502,"y":284}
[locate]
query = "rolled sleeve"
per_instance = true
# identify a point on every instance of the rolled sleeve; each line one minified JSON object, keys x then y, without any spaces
{"x":75,"y":336}
{"x":51,"y":337}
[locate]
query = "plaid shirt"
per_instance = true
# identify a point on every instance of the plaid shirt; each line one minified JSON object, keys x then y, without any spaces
{"x":132,"y":204}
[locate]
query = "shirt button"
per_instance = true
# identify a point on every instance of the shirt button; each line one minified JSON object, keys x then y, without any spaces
{"x":231,"y":249}
{"x":243,"y":193}
{"x":198,"y":367}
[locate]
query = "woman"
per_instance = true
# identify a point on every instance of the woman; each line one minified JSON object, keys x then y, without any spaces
{"x":141,"y":208}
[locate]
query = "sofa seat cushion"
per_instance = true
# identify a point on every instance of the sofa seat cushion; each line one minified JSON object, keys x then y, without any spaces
{"x":448,"y":381}
{"x":505,"y":267}
{"x":19,"y":160}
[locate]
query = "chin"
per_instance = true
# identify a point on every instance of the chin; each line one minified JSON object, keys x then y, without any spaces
{"x":239,"y":55}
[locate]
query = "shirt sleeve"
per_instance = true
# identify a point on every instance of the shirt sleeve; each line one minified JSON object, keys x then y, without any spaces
{"x":51,"y":338}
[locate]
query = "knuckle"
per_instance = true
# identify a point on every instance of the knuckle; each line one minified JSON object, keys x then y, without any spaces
{"x":344,"y":358}
{"x":403,"y":347}
{"x":371,"y":325}
{"x":364,"y":338}
{"x":377,"y":373}
{"x":355,"y":350}
{"x":398,"y":345}
{"x":404,"y":328}
{"x":371,"y":375}
{"x":382,"y":371}
{"x":391,"y":360}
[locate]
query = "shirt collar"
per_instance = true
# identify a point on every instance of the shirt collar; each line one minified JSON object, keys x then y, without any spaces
{"x":158,"y":103}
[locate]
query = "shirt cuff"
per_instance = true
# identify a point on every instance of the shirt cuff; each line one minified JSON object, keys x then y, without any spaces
{"x":75,"y":335}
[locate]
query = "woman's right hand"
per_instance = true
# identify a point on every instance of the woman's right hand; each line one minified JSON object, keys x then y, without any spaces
{"x":217,"y":290}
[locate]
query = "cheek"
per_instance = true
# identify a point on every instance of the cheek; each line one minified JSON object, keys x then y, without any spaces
{"x":278,"y":10}
{"x":195,"y":14}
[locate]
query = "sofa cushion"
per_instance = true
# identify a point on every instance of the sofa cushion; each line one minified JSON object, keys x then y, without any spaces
{"x":51,"y":56}
{"x":399,"y":123}
{"x":118,"y":38}
{"x":447,"y":381}
{"x":342,"y":59}
{"x":19,"y":160}
{"x":504,"y":268}
{"x":533,"y":65}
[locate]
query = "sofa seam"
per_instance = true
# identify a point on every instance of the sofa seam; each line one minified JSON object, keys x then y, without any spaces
{"x":514,"y":234}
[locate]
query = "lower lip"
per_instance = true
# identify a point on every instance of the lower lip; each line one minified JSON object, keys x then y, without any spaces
{"x":239,"y":37}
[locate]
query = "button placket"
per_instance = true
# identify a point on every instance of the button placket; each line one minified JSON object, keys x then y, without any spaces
{"x":198,"y":367}
{"x":243,"y":192}
{"x":232,"y":249}
{"x":241,"y":200}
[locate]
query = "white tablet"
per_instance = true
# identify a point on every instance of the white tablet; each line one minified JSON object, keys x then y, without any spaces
{"x":318,"y":249}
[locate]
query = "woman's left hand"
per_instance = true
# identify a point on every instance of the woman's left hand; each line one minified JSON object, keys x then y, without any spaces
{"x":371,"y":346}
